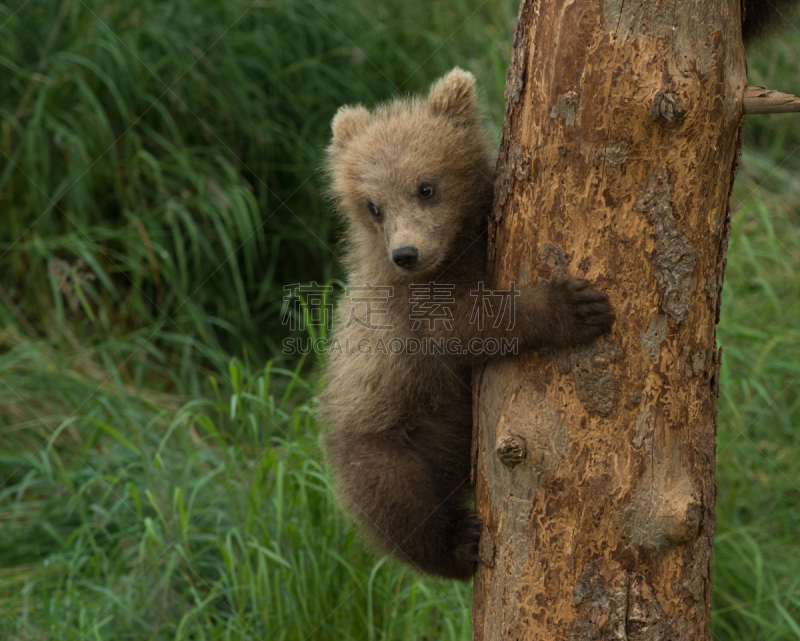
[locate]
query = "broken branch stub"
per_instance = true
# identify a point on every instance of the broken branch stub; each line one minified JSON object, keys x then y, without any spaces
{"x":758,"y":100}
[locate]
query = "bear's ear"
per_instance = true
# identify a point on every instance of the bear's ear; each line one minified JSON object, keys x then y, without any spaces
{"x":347,"y":122}
{"x":454,"y":95}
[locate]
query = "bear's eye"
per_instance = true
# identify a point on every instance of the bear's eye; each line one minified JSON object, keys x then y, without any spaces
{"x":373,"y":210}
{"x":426,"y":190}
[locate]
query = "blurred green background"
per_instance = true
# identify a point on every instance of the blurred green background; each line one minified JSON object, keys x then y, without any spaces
{"x":159,"y":185}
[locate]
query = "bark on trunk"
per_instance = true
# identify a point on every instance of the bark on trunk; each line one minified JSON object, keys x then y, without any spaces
{"x":594,"y":467}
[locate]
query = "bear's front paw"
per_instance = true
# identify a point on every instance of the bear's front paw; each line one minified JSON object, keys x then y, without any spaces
{"x":580,"y":312}
{"x":466,"y":536}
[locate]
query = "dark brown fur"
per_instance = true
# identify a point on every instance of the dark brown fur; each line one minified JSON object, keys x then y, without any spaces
{"x":762,"y":16}
{"x":400,"y":435}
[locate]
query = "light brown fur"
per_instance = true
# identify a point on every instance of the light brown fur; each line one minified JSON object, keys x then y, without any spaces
{"x":400,"y":435}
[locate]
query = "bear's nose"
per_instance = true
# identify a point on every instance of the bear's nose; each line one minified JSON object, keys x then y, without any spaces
{"x":405,"y":257}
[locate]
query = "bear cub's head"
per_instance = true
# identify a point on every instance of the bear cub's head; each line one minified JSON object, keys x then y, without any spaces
{"x":413,"y":179}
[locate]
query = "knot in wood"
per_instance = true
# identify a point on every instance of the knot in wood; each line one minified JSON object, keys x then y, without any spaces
{"x":511,"y":450}
{"x":667,"y":109}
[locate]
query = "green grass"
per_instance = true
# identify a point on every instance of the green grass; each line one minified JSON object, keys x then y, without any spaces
{"x":212,"y":520}
{"x":174,"y":148}
{"x":757,"y":547}
{"x":159,"y":185}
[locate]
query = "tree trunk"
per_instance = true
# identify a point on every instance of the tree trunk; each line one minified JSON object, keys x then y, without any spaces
{"x":595,"y":466}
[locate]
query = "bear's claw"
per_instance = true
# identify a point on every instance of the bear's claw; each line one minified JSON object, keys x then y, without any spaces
{"x":582,"y":313}
{"x":466,"y":537}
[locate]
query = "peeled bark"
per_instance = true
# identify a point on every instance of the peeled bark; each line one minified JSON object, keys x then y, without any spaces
{"x":594,"y":467}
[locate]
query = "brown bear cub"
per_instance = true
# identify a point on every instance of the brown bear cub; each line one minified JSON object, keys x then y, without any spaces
{"x":413,"y":181}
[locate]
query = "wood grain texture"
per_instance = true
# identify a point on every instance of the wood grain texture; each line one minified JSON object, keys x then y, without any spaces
{"x":594,"y":467}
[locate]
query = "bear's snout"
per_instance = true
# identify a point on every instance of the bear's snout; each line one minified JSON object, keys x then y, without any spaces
{"x":405,"y":257}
